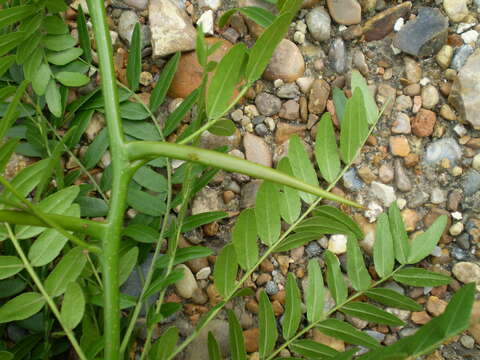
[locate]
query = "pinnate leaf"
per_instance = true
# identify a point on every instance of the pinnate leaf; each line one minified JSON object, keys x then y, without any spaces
{"x":73,"y":306}
{"x":370,"y":313}
{"x":21,"y":307}
{"x":400,"y":237}
{"x":313,"y":350}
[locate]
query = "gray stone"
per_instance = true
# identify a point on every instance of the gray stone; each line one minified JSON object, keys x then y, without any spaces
{"x":205,"y":201}
{"x":288,"y":91}
{"x":186,"y":285}
{"x":126,"y":24}
{"x":401,"y":178}
{"x":437,"y":196}
{"x":171,"y":28}
{"x":249,"y":193}
{"x":268,"y":104}
{"x":401,"y":125}
{"x":138,"y":4}
{"x":198,"y":348}
{"x":384,"y":193}
{"x":456,"y":10}
{"x":471,"y":182}
{"x":460,"y":56}
{"x":337,"y":56}
{"x":271,"y":288}
{"x":446,"y":148}
{"x":313,"y":249}
{"x":261,"y":130}
{"x":459,"y":254}
{"x":346,"y":12}
{"x":465,"y":94}
{"x":467,"y":272}
{"x":257,"y":150}
{"x":351,"y":180}
{"x":425,"y":35}
{"x":319,"y":23}
{"x":286,"y":63}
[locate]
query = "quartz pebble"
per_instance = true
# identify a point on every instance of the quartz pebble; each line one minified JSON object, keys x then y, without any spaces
{"x":383,"y":192}
{"x":338,"y":244}
{"x":319,"y":23}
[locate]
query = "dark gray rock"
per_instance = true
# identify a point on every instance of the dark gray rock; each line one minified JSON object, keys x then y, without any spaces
{"x":425,"y":35}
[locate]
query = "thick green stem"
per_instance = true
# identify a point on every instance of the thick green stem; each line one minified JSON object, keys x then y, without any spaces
{"x":153,"y":149}
{"x":121,"y":176}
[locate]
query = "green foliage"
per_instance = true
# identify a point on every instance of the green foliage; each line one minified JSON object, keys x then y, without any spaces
{"x":58,"y":289}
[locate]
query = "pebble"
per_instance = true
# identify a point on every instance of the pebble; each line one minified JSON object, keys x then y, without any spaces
{"x":436,"y":306}
{"x":251,"y":337}
{"x":420,"y":317}
{"x":444,"y":56}
{"x":446,"y":148}
{"x":385,"y":173}
{"x":305,"y":84}
{"x":424,"y":35}
{"x":268,"y":104}
{"x":171,"y":28}
{"x":447,"y":112}
{"x":399,"y":146}
{"x":211,"y":4}
{"x":461,"y":56}
{"x":198,"y":348}
{"x":402,"y":181}
{"x":271,"y":288}
{"x":317,"y":99}
{"x":338,"y":244}
{"x":206,"y":200}
{"x":186,"y":285}
{"x":403,"y":103}
{"x":203,"y":273}
{"x":437,"y":196}
{"x":471,"y":182}
{"x":430,"y":97}
{"x":382,"y":24}
{"x":366,"y":174}
{"x":423,"y":123}
{"x":467,"y":272}
{"x":470,"y":36}
{"x":288,"y":91}
{"x":401,"y":125}
{"x":290,"y":110}
{"x":351,"y":180}
{"x":313,"y":249}
{"x":337,"y":56}
{"x":286,"y":63}
{"x":257,"y":150}
{"x":126,"y":24}
{"x":465,"y":96}
{"x":384,"y":193}
{"x":456,"y":10}
{"x":456,"y":229}
{"x":467,"y":341}
{"x":476,"y":162}
{"x":319,"y":23}
{"x":206,"y":21}
{"x":412,"y":90}
{"x":346,"y":12}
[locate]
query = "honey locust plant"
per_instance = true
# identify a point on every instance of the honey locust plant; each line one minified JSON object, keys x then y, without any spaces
{"x":61,"y":272}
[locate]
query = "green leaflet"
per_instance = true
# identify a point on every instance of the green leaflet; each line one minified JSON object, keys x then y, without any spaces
{"x":10,"y":41}
{"x":12,"y":112}
{"x":327,"y":214}
{"x":14,"y":14}
{"x":176,"y":117}
{"x":5,"y":63}
{"x":150,"y":179}
{"x":371,"y":313}
{"x":313,"y":350}
{"x":213,"y":348}
{"x":356,"y":269}
{"x":6,"y":151}
{"x":346,"y":332}
{"x":55,"y":25}
{"x":371,"y":109}
{"x":301,"y":166}
{"x":127,"y":264}
{"x":21,"y":307}
{"x":244,"y":239}
{"x":261,"y":16}
{"x":392,"y":298}
{"x":66,"y":271}
{"x":26,"y":180}
{"x":400,"y":238}
{"x":53,"y":98}
{"x":289,"y":199}
{"x":134,"y":64}
{"x":9,"y":266}
{"x":267,"y":325}
{"x":292,"y":315}
{"x":339,"y":100}
{"x":61,"y":58}
{"x":73,"y":306}
{"x":83,"y":37}
{"x":59,"y":42}
{"x":163,"y":83}
{"x":335,"y":281}
{"x":424,"y":244}
{"x":237,"y":343}
{"x":73,"y":79}
{"x":326,"y":151}
{"x":354,"y":127}
{"x":383,"y":253}
{"x":224,"y":127}
{"x":227,"y":75}
{"x":267,"y":213}
{"x":421,"y":277}
{"x":165,"y":345}
{"x":225,"y":271}
{"x":315,"y":294}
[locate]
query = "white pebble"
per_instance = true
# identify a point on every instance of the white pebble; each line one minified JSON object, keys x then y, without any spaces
{"x":476,"y":162}
{"x":401,"y":202}
{"x":425,"y":81}
{"x":277,"y":83}
{"x":342,"y":28}
{"x":299,"y":37}
{"x":395,"y":50}
{"x":338,"y":244}
{"x":203,"y":273}
{"x":456,"y":229}
{"x":399,"y":24}
{"x":374,"y":210}
{"x":457,"y":215}
{"x":206,"y":20}
{"x":464,"y":27}
{"x":470,"y":36}
{"x":460,"y":130}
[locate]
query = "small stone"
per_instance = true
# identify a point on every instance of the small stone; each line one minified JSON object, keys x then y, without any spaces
{"x":420,"y":317}
{"x":413,"y":70}
{"x":317,"y":100}
{"x":436,"y":306}
{"x":206,"y":22}
{"x":284,"y":131}
{"x":424,"y":35}
{"x":251,"y":337}
{"x":351,"y":180}
{"x":447,"y":112}
{"x":268,"y":104}
{"x":461,"y":56}
{"x":286,"y":63}
{"x":383,"y":23}
{"x":338,"y":244}
{"x":319,"y":23}
{"x":465,"y":96}
{"x":186,"y":285}
{"x":305,"y":84}
{"x":403,"y":103}
{"x":456,"y":229}
{"x":423,"y":123}
{"x":412,"y":90}
{"x":430,"y":97}
{"x":271,"y":288}
{"x":206,"y":200}
{"x":346,"y":12}
{"x":444,"y":56}
{"x":171,"y":28}
{"x":313,"y":249}
{"x":401,"y":178}
{"x":467,"y":341}
{"x":467,"y":272}
{"x":288,"y":91}
{"x":471,"y":183}
{"x":126,"y":24}
{"x":198,"y":348}
{"x":360,"y":62}
{"x":211,"y":4}
{"x":446,"y":148}
{"x":456,"y":10}
{"x":383,"y":192}
{"x":386,"y":93}
{"x":437,"y":196}
{"x":470,"y":37}
{"x":401,"y":125}
{"x":290,"y":110}
{"x":337,"y":56}
{"x":257,"y":150}
{"x":399,"y":146}
{"x":332,"y":342}
{"x":385,"y":174}
{"x":366,"y":174}
{"x":476,"y":162}
{"x":204,"y":273}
